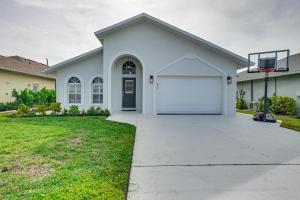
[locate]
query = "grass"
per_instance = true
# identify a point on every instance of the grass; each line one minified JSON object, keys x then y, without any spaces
{"x":64,"y":158}
{"x":289,"y":122}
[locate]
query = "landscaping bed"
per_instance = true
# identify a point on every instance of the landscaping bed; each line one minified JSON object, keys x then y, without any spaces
{"x":289,"y":122}
{"x":69,"y":157}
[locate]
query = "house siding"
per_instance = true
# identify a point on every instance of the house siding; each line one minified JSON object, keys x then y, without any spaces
{"x":285,"y":86}
{"x":155,"y":48}
{"x":19,"y":81}
{"x":85,"y":69}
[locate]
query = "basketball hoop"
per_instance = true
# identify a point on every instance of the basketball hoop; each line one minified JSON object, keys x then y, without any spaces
{"x":269,"y":61}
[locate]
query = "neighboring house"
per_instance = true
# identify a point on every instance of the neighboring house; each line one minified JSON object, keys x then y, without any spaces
{"x":280,"y":83}
{"x":150,"y":66}
{"x":20,"y":73}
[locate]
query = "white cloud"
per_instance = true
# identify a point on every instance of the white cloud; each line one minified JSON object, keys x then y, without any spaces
{"x":62,"y":29}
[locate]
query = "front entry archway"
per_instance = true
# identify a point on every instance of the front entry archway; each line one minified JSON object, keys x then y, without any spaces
{"x":127,"y":84}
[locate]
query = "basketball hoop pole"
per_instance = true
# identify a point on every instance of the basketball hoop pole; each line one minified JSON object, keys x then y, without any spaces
{"x":266,"y":94}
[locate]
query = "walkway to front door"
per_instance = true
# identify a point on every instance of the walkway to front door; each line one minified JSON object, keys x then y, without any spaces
{"x":212,"y":157}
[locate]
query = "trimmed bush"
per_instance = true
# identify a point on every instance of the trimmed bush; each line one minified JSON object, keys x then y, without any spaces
{"x":260,"y":104}
{"x":241,"y":104}
{"x":107,"y":113}
{"x":23,"y":110}
{"x":65,"y":112}
{"x":41,"y":109}
{"x":92,"y":111}
{"x":55,"y":107}
{"x":83,"y":113}
{"x":8,"y":106}
{"x":98,"y":110}
{"x":283,"y":105}
{"x":73,"y":111}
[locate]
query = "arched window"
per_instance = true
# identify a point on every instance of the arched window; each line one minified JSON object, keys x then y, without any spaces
{"x":97,"y":90}
{"x":128,"y":68}
{"x":74,"y":90}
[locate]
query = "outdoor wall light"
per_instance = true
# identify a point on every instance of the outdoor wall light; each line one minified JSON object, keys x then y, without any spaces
{"x":151,"y":79}
{"x":229,"y":80}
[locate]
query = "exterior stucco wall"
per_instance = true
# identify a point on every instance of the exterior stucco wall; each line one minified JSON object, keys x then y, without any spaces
{"x":155,"y":48}
{"x":286,"y":86}
{"x":85,"y":69}
{"x":18,"y":81}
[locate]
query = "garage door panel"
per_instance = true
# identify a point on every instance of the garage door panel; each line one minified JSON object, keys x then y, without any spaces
{"x":189,"y":95}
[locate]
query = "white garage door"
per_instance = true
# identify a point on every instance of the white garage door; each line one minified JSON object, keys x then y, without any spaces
{"x":189,"y":95}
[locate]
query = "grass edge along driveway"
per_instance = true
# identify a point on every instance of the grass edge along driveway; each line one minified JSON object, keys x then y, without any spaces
{"x":289,"y":122}
{"x":64,"y":158}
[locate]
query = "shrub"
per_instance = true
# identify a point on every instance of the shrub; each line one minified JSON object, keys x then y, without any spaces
{"x":241,"y":104}
{"x":102,"y":113}
{"x":98,"y":110}
{"x":92,"y":111}
{"x":22,"y":110}
{"x":41,"y":109}
{"x":8,"y":106}
{"x":283,"y":105}
{"x":106,"y":113}
{"x":31,"y":114}
{"x":25,"y":96}
{"x":55,"y":107}
{"x":73,"y":111}
{"x":83,"y":113}
{"x":65,"y":112}
{"x":30,"y":98}
{"x":45,"y":96}
{"x":260,"y":104}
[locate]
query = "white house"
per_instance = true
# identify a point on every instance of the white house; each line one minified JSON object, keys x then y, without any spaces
{"x":153,"y":67}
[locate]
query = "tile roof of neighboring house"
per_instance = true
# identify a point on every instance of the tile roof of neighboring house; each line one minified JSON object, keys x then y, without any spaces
{"x":294,"y":68}
{"x":22,"y":65}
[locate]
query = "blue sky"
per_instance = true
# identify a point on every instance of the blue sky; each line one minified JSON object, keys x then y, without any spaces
{"x":60,"y":29}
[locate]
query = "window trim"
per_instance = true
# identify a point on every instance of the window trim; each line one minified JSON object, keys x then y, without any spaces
{"x":91,"y":92}
{"x":66,"y":90}
{"x":34,"y":85}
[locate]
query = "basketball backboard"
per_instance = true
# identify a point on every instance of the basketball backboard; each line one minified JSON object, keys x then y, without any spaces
{"x":276,"y":61}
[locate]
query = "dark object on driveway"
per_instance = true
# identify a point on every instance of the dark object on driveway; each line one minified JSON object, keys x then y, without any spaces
{"x":259,"y":116}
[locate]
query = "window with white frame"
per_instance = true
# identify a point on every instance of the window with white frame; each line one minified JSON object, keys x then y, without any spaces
{"x":97,"y":90}
{"x":35,"y":87}
{"x":74,"y":91}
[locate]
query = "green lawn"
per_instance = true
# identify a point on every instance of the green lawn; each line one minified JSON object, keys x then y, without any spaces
{"x":287,"y":121}
{"x":64,"y":158}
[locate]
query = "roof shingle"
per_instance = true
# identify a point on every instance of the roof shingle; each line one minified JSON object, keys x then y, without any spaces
{"x":22,"y":65}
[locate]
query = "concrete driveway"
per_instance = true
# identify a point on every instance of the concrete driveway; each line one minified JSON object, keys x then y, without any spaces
{"x":212,"y":157}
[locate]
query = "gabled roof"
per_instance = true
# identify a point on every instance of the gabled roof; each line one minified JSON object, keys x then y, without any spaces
{"x":22,"y":65}
{"x":238,"y":59}
{"x":294,"y":68}
{"x":72,"y":60}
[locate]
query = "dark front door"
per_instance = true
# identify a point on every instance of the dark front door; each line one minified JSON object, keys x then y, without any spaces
{"x":129,"y":91}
